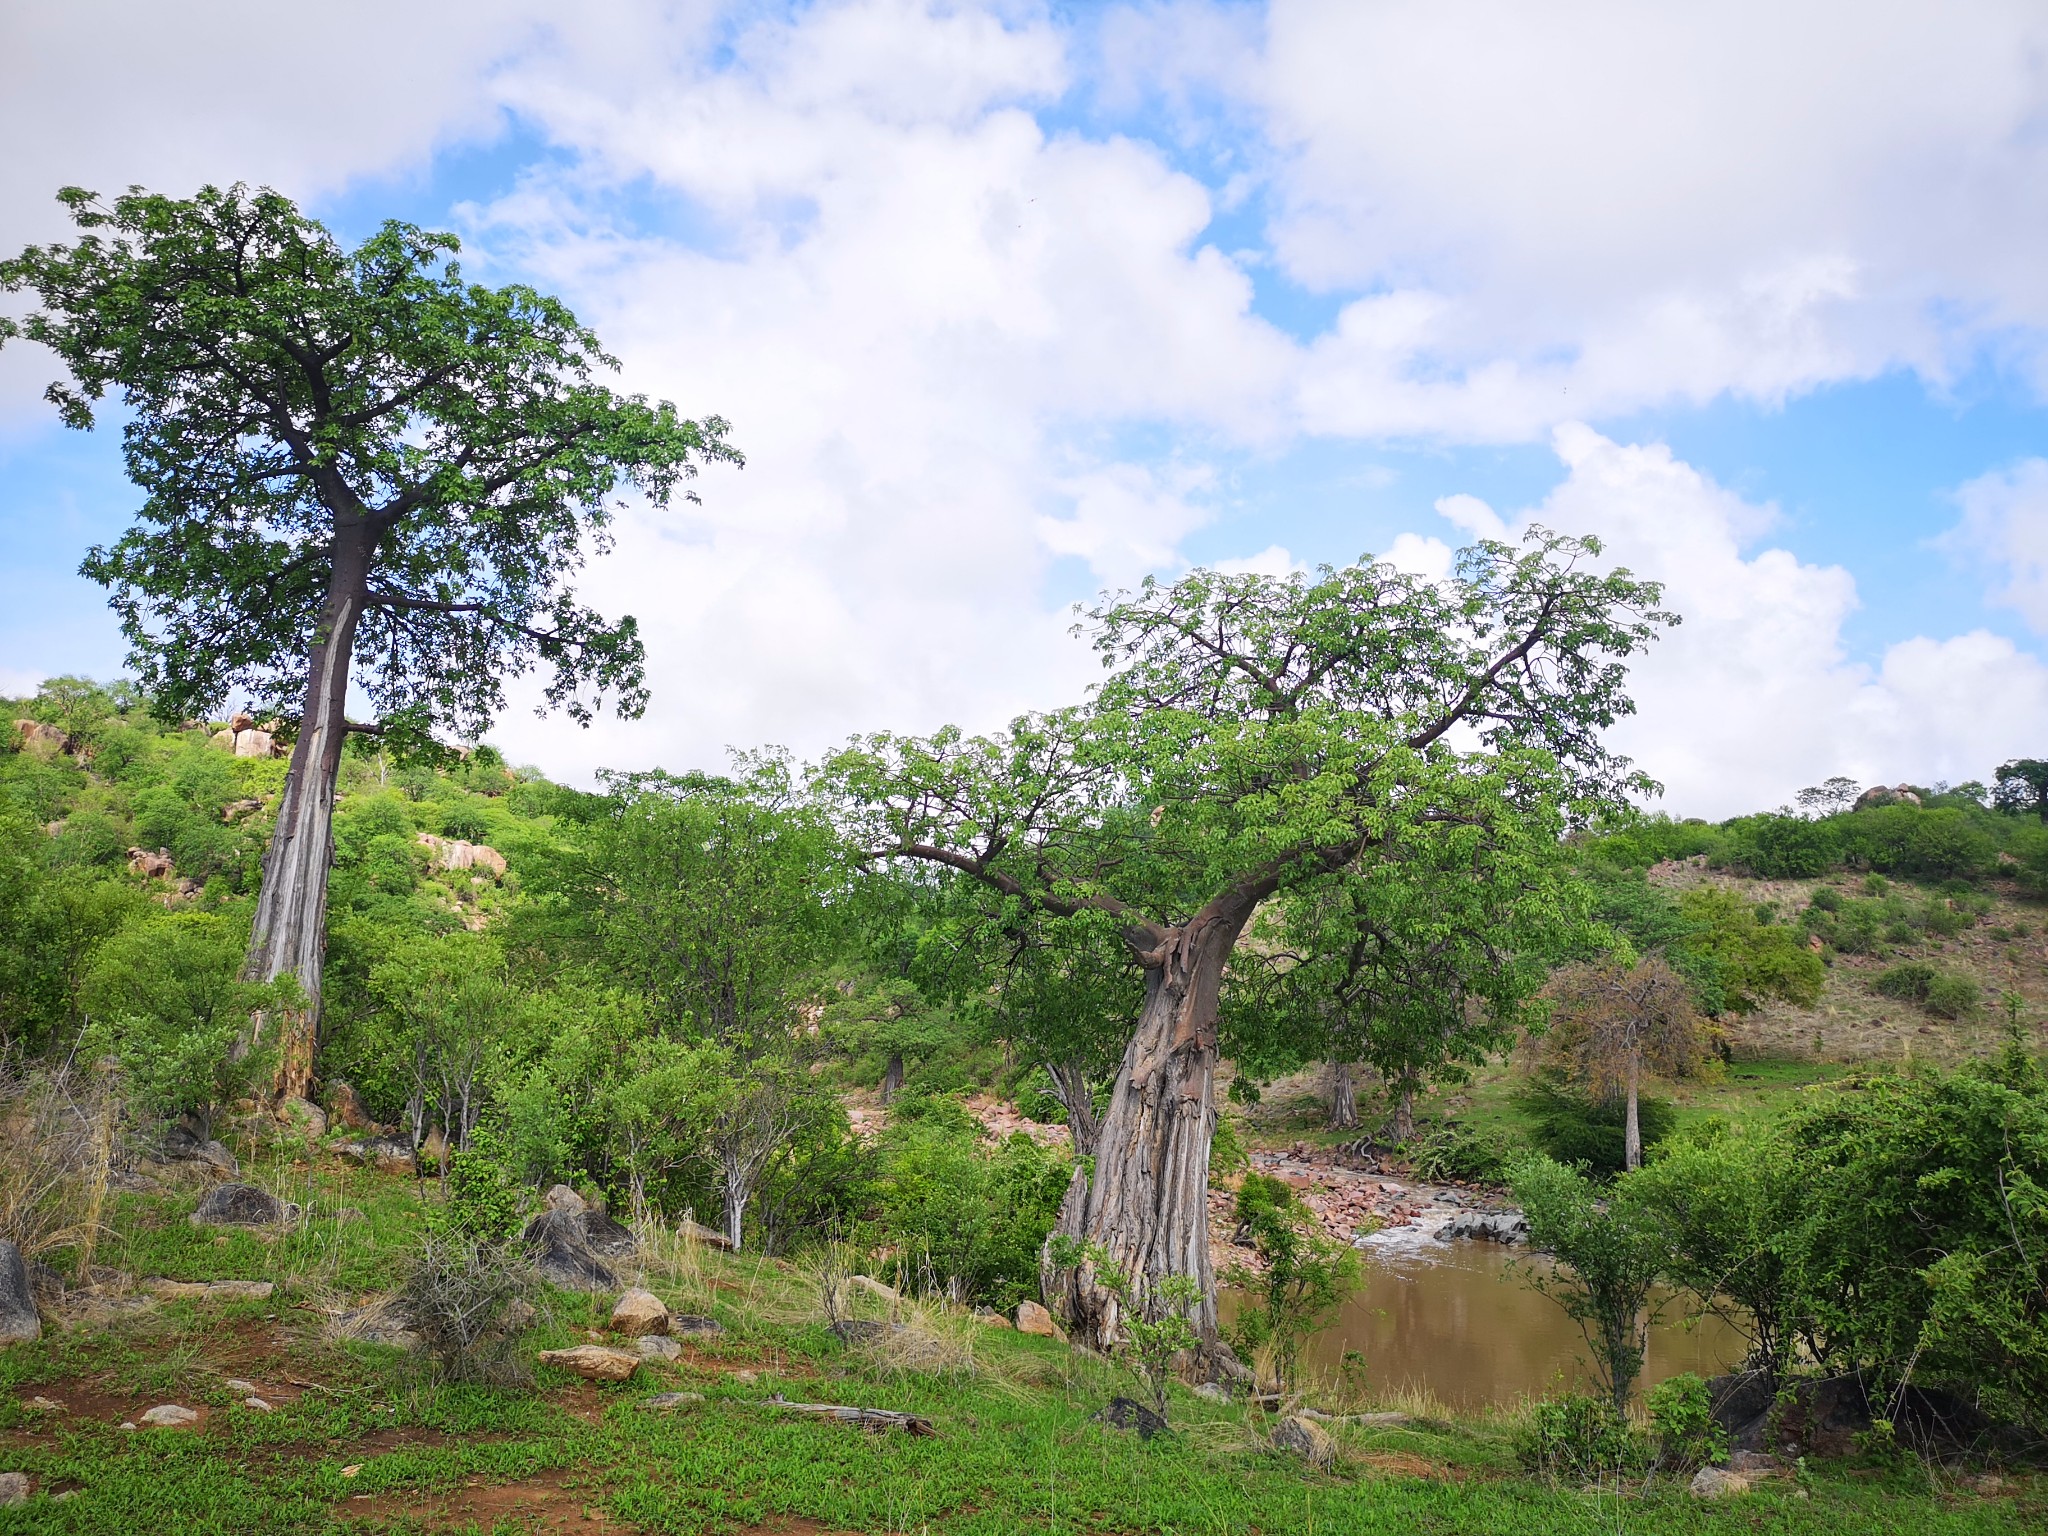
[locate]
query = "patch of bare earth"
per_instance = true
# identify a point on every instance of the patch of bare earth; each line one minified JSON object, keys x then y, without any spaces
{"x":559,"y":1501}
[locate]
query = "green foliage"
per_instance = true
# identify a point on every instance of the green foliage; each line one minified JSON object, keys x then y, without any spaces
{"x":1753,"y":961}
{"x":1682,"y":1417}
{"x":1920,"y":844}
{"x":1783,"y":847}
{"x":1579,"y":1130}
{"x":1578,"y":1440}
{"x":1610,"y":1254}
{"x":1908,"y":980}
{"x":1447,"y":1150}
{"x":1946,"y":994}
{"x":484,"y":1198}
{"x":1154,"y":1332}
{"x":1303,"y":1280}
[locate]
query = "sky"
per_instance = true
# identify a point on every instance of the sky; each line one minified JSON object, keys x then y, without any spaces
{"x":1009,"y":303}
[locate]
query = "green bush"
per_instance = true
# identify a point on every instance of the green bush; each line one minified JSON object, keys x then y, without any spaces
{"x":1783,"y":847}
{"x":1450,"y":1151}
{"x":1585,"y":1132}
{"x":1908,"y":980}
{"x":1682,"y":1416}
{"x":1950,"y":996}
{"x":1920,"y":844}
{"x":1577,"y":1440}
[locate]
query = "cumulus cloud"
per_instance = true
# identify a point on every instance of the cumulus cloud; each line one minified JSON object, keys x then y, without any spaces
{"x":1755,"y":694}
{"x":2004,"y":527}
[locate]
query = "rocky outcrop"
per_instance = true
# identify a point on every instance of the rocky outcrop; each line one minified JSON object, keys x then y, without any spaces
{"x":19,"y":1321}
{"x":243,"y":1205}
{"x":1880,"y":794}
{"x":1488,"y":1227}
{"x":452,"y":853}
{"x":387,"y":1154}
{"x":38,"y":737}
{"x":561,"y":1251}
{"x":303,"y":1117}
{"x":151,"y":866}
{"x":346,"y":1107}
{"x":210,"y":1290}
{"x":184,"y":1143}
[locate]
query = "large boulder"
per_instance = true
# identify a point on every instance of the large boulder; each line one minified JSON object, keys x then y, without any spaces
{"x":1882,"y":794}
{"x":1489,"y":1227}
{"x":243,"y":1205}
{"x":303,"y":1118}
{"x":184,"y":1143}
{"x":19,"y":1321}
{"x":607,"y":1238}
{"x":1718,"y":1483}
{"x":387,"y":1154}
{"x":562,"y":1253}
{"x":38,"y":737}
{"x":151,"y":866}
{"x":345,"y":1107}
{"x":452,"y":853}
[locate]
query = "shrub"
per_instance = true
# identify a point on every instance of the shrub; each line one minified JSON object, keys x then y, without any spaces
{"x":1306,"y":1276}
{"x":1589,"y":1132}
{"x":1950,"y":996}
{"x":1905,"y":840}
{"x":468,"y":1301}
{"x":1448,"y":1151}
{"x":1908,"y":981}
{"x":1827,"y":899}
{"x":1783,"y":847}
{"x":483,"y":1197}
{"x":1682,"y":1415}
{"x":1580,"y":1439}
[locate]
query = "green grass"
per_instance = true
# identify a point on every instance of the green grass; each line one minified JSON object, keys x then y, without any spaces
{"x":1016,"y":1449}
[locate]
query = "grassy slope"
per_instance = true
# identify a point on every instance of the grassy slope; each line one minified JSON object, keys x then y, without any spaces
{"x":1015,"y":1449}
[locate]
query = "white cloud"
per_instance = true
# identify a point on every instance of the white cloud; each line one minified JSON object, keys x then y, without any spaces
{"x":2005,"y":526}
{"x":1754,"y":695}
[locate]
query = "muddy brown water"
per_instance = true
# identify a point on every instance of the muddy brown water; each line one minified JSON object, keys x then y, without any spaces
{"x":1453,"y":1319}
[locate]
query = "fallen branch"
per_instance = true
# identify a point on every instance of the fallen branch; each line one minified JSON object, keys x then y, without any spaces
{"x":867,"y":1418}
{"x":1355,"y":1419}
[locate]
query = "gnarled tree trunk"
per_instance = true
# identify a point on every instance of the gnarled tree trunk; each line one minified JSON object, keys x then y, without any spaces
{"x":1404,"y":1112}
{"x":1343,"y":1097}
{"x":1147,"y":1208}
{"x":1070,"y":1087}
{"x":290,"y":933}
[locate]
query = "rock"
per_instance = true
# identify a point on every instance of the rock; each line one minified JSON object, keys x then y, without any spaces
{"x":19,"y":1321}
{"x":1879,"y":794}
{"x":1128,"y":1413}
{"x":210,"y":1290}
{"x":992,"y":1317}
{"x":38,"y":737}
{"x":182,"y":1144}
{"x":236,"y":810}
{"x":697,"y":1232}
{"x":745,"y":1378}
{"x":387,"y":1154}
{"x":1489,"y":1227}
{"x":562,"y":1253}
{"x":1717,"y":1483}
{"x":241,"y":720}
{"x":640,"y":1312}
{"x":346,"y":1107}
{"x":668,"y":1400}
{"x":255,"y":743}
{"x":452,"y":853}
{"x":1034,"y":1319}
{"x":607,"y":1238}
{"x":1741,"y":1405}
{"x":1753,"y":1463}
{"x":518,"y":1316}
{"x":255,"y":1402}
{"x":151,"y":866}
{"x":561,"y":1197}
{"x":303,"y":1117}
{"x":593,"y":1362}
{"x":1305,"y":1438}
{"x":434,"y":1147}
{"x":1212,"y":1392}
{"x":243,"y":1205}
{"x":859,"y":1330}
{"x":170,"y":1416}
{"x":874,"y":1288}
{"x":658,"y":1346}
{"x":690,"y":1323}
{"x":238,"y":1385}
{"x":13,"y":1488}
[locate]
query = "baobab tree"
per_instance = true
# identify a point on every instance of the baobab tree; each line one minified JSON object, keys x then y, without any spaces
{"x":1254,"y":735}
{"x":359,"y":470}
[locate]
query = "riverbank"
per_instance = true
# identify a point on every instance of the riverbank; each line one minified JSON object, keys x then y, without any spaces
{"x":355,"y":1435}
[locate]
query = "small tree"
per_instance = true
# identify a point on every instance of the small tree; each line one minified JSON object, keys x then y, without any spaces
{"x":1830,"y":797}
{"x":360,"y":472}
{"x":1306,"y":1276}
{"x":2021,"y":786}
{"x":1615,"y":1021}
{"x":1609,"y":1256}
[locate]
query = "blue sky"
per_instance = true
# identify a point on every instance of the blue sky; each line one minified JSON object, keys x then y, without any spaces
{"x":1008,"y":303}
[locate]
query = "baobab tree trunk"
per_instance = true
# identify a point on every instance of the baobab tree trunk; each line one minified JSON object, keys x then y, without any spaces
{"x":1632,"y":1130}
{"x":1070,"y":1087}
{"x":290,"y":933}
{"x":892,"y":1077}
{"x":1343,"y":1097}
{"x":1147,"y":1208}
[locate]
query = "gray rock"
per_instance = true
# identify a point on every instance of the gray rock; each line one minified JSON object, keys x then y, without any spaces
{"x":690,"y":1322}
{"x":562,"y":1253}
{"x":1212,"y":1392}
{"x":607,"y":1238}
{"x":1489,"y":1227}
{"x":170,"y":1416}
{"x":182,"y":1144}
{"x":658,"y":1346}
{"x":387,"y":1154}
{"x":303,"y":1116}
{"x":13,"y":1488}
{"x":561,"y":1197}
{"x":1718,"y":1483}
{"x":1306,"y":1439}
{"x":19,"y":1321}
{"x":243,"y":1205}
